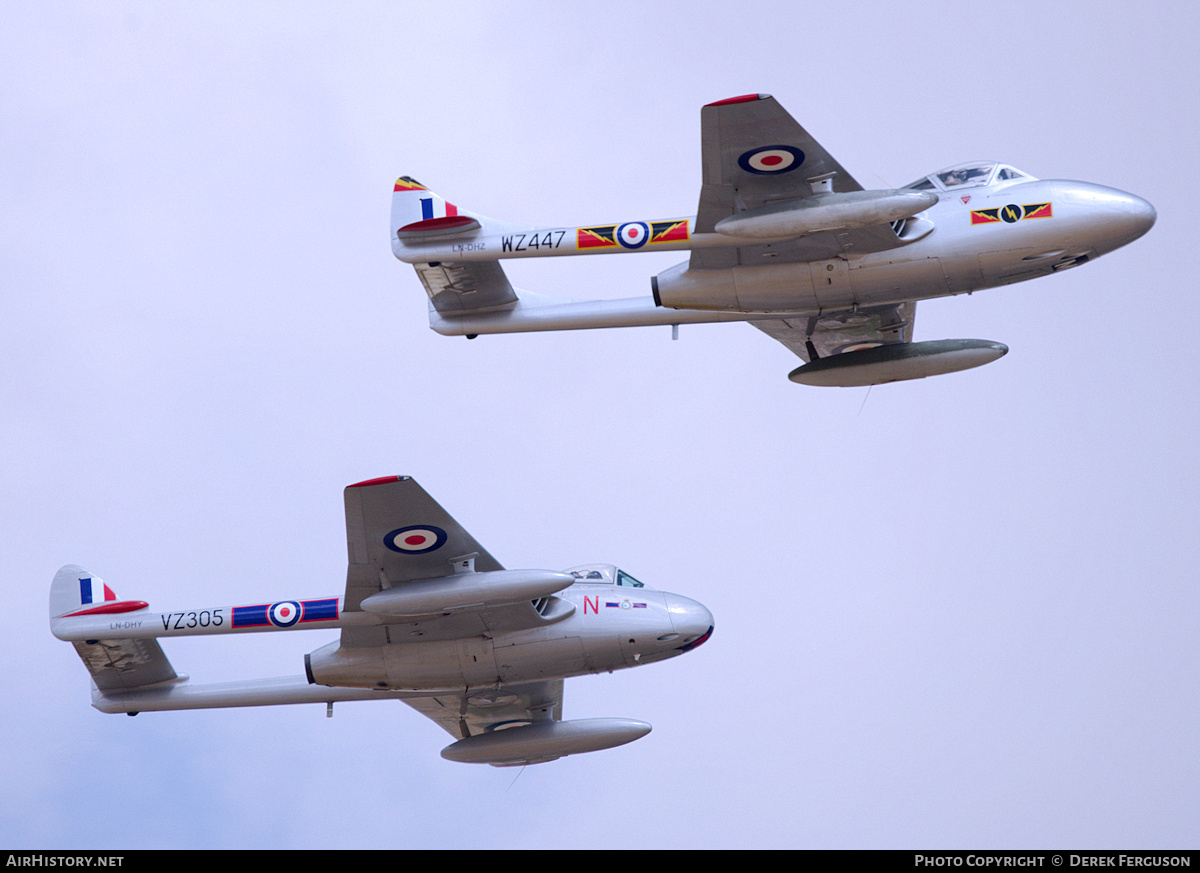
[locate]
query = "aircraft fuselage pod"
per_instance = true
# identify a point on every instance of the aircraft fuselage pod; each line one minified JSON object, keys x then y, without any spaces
{"x":981,"y":238}
{"x":785,"y":239}
{"x":428,"y":617}
{"x":592,"y":627}
{"x":969,"y":239}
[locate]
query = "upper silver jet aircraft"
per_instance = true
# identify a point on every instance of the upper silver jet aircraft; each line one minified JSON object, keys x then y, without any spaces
{"x":786,"y":239}
{"x":428,"y":617}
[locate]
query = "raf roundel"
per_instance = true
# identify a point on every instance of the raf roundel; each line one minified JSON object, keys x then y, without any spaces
{"x":284,"y":614}
{"x":772,"y":159}
{"x":415,"y":540}
{"x":633,"y":234}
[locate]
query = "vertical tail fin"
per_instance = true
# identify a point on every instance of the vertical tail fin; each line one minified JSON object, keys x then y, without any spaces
{"x":114,"y":664}
{"x":412,"y":202}
{"x":418,"y":212}
{"x":75,"y":590}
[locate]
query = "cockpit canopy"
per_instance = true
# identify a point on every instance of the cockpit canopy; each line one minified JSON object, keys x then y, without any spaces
{"x":979,"y":174}
{"x":604,"y":574}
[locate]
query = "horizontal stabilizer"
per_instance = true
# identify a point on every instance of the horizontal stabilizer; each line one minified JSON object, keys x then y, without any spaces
{"x":122,"y":665}
{"x":465,"y":287}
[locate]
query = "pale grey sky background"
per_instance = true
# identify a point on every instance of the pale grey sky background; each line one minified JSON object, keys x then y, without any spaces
{"x":960,"y":614}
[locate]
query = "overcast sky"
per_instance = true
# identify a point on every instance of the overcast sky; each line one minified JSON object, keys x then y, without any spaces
{"x":956,"y":612}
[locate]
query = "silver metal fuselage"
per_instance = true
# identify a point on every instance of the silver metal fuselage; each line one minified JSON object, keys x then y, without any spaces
{"x":589,"y":629}
{"x":951,"y":251}
{"x":585,"y":628}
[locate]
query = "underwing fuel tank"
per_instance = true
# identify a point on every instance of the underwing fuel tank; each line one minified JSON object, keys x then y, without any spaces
{"x":464,"y":590}
{"x":898,"y":362}
{"x":830,"y":211}
{"x":545,"y":741}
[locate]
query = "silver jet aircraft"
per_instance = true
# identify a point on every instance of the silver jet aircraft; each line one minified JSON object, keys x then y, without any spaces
{"x":428,"y":618}
{"x":788,"y":240}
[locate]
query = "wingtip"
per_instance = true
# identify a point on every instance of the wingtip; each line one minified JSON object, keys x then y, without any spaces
{"x":745,"y":98}
{"x":382,"y":480}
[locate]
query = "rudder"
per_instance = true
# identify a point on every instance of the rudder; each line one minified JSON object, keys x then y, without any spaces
{"x":419,"y":213}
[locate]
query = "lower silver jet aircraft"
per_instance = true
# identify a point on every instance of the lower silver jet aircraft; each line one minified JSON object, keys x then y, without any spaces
{"x":428,"y":617}
{"x":786,"y":239}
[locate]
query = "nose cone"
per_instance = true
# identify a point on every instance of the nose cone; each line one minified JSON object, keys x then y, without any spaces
{"x":1144,"y":215}
{"x":1118,"y":217}
{"x":1132,"y":217}
{"x":691,"y":620}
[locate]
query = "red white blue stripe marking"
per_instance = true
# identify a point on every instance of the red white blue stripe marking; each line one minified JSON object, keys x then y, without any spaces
{"x":92,"y":590}
{"x":285,"y":613}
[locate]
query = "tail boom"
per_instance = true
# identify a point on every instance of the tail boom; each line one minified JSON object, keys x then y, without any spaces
{"x":83,"y":609}
{"x":261,"y":692}
{"x":530,"y":314}
{"x":141,"y":623}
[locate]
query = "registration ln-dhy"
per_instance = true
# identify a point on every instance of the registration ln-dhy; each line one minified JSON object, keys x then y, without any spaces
{"x":428,"y":618}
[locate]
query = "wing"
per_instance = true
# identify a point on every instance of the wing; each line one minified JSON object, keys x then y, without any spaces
{"x":471,"y":714}
{"x":833,"y":333}
{"x":397,"y":533}
{"x":754,"y":153}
